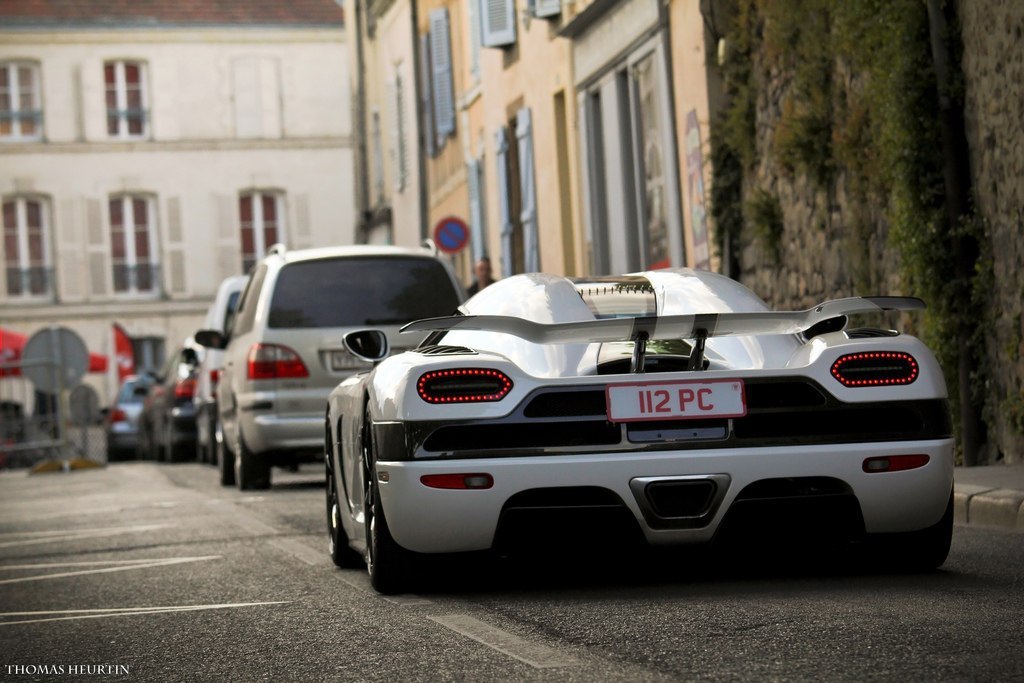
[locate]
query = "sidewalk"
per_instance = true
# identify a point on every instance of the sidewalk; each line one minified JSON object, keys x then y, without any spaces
{"x":992,"y":495}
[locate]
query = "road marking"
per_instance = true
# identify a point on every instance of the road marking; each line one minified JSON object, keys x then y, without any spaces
{"x":38,"y":537}
{"x":120,"y":612}
{"x":408,"y":600}
{"x":96,"y":563}
{"x":300,"y":551}
{"x":536,"y":655}
{"x":147,"y":563}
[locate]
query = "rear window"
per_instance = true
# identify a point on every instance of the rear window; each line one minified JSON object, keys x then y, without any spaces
{"x":350,"y":292}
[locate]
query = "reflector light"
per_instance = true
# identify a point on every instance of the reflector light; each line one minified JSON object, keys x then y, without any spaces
{"x":875,"y":369}
{"x":273,"y":361}
{"x":214,"y":377}
{"x":185,"y":388}
{"x":895,"y":463}
{"x":477,"y":480}
{"x":463,"y":385}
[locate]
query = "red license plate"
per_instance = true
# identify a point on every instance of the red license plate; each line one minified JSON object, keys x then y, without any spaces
{"x":688,"y":400}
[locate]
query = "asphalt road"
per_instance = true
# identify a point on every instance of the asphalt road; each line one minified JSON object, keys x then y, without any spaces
{"x":157,"y":574}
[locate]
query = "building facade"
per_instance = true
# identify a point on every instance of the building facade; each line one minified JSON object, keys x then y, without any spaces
{"x":148,"y":154}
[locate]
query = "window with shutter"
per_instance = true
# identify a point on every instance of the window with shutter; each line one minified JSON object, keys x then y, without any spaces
{"x":261,"y":217}
{"x":441,"y":67}
{"x":527,"y":191}
{"x":498,"y":22}
{"x":133,"y":246}
{"x":126,"y":99}
{"x":546,"y":8}
{"x":27,"y":258}
{"x":473,"y":15}
{"x":21,"y":113}
{"x":504,"y":204}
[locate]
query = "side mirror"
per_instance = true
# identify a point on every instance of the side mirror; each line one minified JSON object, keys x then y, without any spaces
{"x":368,"y":345}
{"x":211,"y":339}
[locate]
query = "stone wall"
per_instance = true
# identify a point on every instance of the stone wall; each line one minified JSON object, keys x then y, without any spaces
{"x":993,"y":66}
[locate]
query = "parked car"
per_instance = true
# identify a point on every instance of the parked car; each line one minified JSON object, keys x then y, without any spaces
{"x":167,"y":424}
{"x":218,"y":317}
{"x":284,"y":352}
{"x":122,"y":420}
{"x":664,"y":408}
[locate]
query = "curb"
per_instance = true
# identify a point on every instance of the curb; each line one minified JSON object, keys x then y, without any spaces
{"x":48,"y":466}
{"x":987,"y":506}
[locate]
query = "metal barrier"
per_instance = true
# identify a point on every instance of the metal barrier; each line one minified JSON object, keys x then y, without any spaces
{"x":38,"y":425}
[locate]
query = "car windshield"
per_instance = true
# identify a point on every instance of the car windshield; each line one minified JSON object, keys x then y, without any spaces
{"x":132,"y":392}
{"x":347,"y":292}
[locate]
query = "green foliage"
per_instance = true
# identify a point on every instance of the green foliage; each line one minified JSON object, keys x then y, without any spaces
{"x":858,"y":98}
{"x":764,"y":214}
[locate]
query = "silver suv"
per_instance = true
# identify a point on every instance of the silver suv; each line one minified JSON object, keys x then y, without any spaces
{"x":284,"y":352}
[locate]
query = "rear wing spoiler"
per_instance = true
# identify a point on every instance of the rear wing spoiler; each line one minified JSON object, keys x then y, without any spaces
{"x":669,"y":327}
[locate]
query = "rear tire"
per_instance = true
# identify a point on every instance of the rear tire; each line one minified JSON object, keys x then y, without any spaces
{"x":388,"y":563}
{"x":916,"y":551}
{"x":252,"y":470}
{"x":225,"y":460}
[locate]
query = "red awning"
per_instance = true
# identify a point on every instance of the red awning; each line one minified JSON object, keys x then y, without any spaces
{"x":11,"y":344}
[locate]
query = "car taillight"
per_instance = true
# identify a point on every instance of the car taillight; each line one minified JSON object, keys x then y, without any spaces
{"x":875,"y":368}
{"x":463,"y":385}
{"x":214,"y":378}
{"x":475,"y":480}
{"x":272,"y":361}
{"x":117,"y":415}
{"x":185,"y":388}
{"x":895,"y":463}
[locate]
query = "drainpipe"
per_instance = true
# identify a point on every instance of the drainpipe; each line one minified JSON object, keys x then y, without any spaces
{"x":421,"y":137}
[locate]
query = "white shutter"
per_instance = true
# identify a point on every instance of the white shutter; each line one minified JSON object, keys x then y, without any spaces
{"x":175,"y":248}
{"x":398,"y":156}
{"x":229,"y":260}
{"x":473,"y":14}
{"x":426,"y":96}
{"x":498,"y":22}
{"x":245,"y":73}
{"x":441,"y":66}
{"x":71,"y":257}
{"x":476,"y":209}
{"x":501,"y":154}
{"x":546,"y":8}
{"x":527,"y":191}
{"x":98,"y":251}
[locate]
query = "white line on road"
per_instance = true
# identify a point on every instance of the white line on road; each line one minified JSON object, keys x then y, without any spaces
{"x":153,"y":563}
{"x":536,"y":655}
{"x":121,"y":612}
{"x":96,"y":563}
{"x":74,"y":535}
{"x":407,"y":600}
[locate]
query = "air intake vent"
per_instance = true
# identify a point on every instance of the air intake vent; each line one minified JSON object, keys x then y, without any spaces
{"x":567,"y":404}
{"x":442,"y":350}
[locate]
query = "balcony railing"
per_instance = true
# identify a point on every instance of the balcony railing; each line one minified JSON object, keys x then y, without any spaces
{"x":141,"y":278}
{"x":35,"y":282}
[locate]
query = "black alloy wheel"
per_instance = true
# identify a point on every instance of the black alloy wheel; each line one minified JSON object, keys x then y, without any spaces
{"x":386,"y":561}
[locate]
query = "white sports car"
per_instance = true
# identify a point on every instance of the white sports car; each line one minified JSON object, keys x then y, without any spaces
{"x":671,"y":406}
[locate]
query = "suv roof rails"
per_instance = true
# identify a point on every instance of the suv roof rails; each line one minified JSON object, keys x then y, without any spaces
{"x":277,"y":249}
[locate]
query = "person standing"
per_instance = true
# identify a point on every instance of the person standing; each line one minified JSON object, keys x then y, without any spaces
{"x":483,"y":276}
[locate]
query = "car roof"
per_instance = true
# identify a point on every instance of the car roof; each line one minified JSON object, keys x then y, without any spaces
{"x":296,"y":255}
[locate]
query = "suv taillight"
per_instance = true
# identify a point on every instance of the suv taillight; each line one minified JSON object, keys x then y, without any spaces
{"x":273,"y":361}
{"x":214,"y":378}
{"x":117,"y":415}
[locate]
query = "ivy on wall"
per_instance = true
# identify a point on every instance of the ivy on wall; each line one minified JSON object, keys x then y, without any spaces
{"x":856,"y":99}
